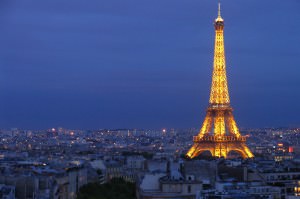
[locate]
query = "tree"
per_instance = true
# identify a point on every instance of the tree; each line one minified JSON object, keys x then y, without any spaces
{"x":115,"y":189}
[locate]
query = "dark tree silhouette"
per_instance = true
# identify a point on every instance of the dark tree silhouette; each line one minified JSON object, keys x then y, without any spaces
{"x":115,"y":189}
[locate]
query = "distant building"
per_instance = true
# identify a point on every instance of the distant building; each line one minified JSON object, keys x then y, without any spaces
{"x":135,"y":162}
{"x":170,"y":184}
{"x":7,"y":192}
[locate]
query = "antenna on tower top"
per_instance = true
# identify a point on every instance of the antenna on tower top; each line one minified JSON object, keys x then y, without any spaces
{"x":219,"y":18}
{"x":219,"y":10}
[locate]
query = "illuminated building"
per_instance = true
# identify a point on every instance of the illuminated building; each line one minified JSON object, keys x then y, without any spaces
{"x":297,"y":189}
{"x":283,"y":152}
{"x":219,"y":133}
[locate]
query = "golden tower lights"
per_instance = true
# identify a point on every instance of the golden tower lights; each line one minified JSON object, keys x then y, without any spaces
{"x":219,"y":133}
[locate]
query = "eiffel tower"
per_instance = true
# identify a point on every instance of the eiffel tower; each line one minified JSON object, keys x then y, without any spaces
{"x":219,"y":133}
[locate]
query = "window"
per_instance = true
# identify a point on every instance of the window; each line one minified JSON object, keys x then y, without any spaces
{"x":189,"y":189}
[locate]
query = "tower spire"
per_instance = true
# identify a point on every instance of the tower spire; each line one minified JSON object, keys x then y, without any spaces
{"x":219,"y":94}
{"x":219,"y":10}
{"x":219,"y":13}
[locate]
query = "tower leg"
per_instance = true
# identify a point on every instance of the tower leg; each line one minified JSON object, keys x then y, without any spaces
{"x":207,"y":124}
{"x":220,"y":149}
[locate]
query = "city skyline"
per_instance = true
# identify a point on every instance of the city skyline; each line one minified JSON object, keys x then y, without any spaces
{"x":136,"y":64}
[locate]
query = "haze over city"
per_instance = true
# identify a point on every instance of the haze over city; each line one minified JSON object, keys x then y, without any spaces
{"x":145,"y":64}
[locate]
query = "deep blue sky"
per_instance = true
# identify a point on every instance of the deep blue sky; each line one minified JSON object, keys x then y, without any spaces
{"x":145,"y":63}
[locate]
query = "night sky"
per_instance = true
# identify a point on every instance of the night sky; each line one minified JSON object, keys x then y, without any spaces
{"x":145,"y":63}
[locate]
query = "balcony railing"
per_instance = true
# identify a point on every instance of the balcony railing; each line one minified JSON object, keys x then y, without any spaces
{"x":214,"y":138}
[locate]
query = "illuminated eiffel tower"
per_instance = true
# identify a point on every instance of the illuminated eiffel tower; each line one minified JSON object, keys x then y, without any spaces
{"x":219,"y":133}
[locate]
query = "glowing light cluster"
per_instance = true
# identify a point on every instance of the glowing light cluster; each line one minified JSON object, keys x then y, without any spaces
{"x":219,"y":90}
{"x":206,"y":126}
{"x":233,"y":129}
{"x":219,"y":124}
